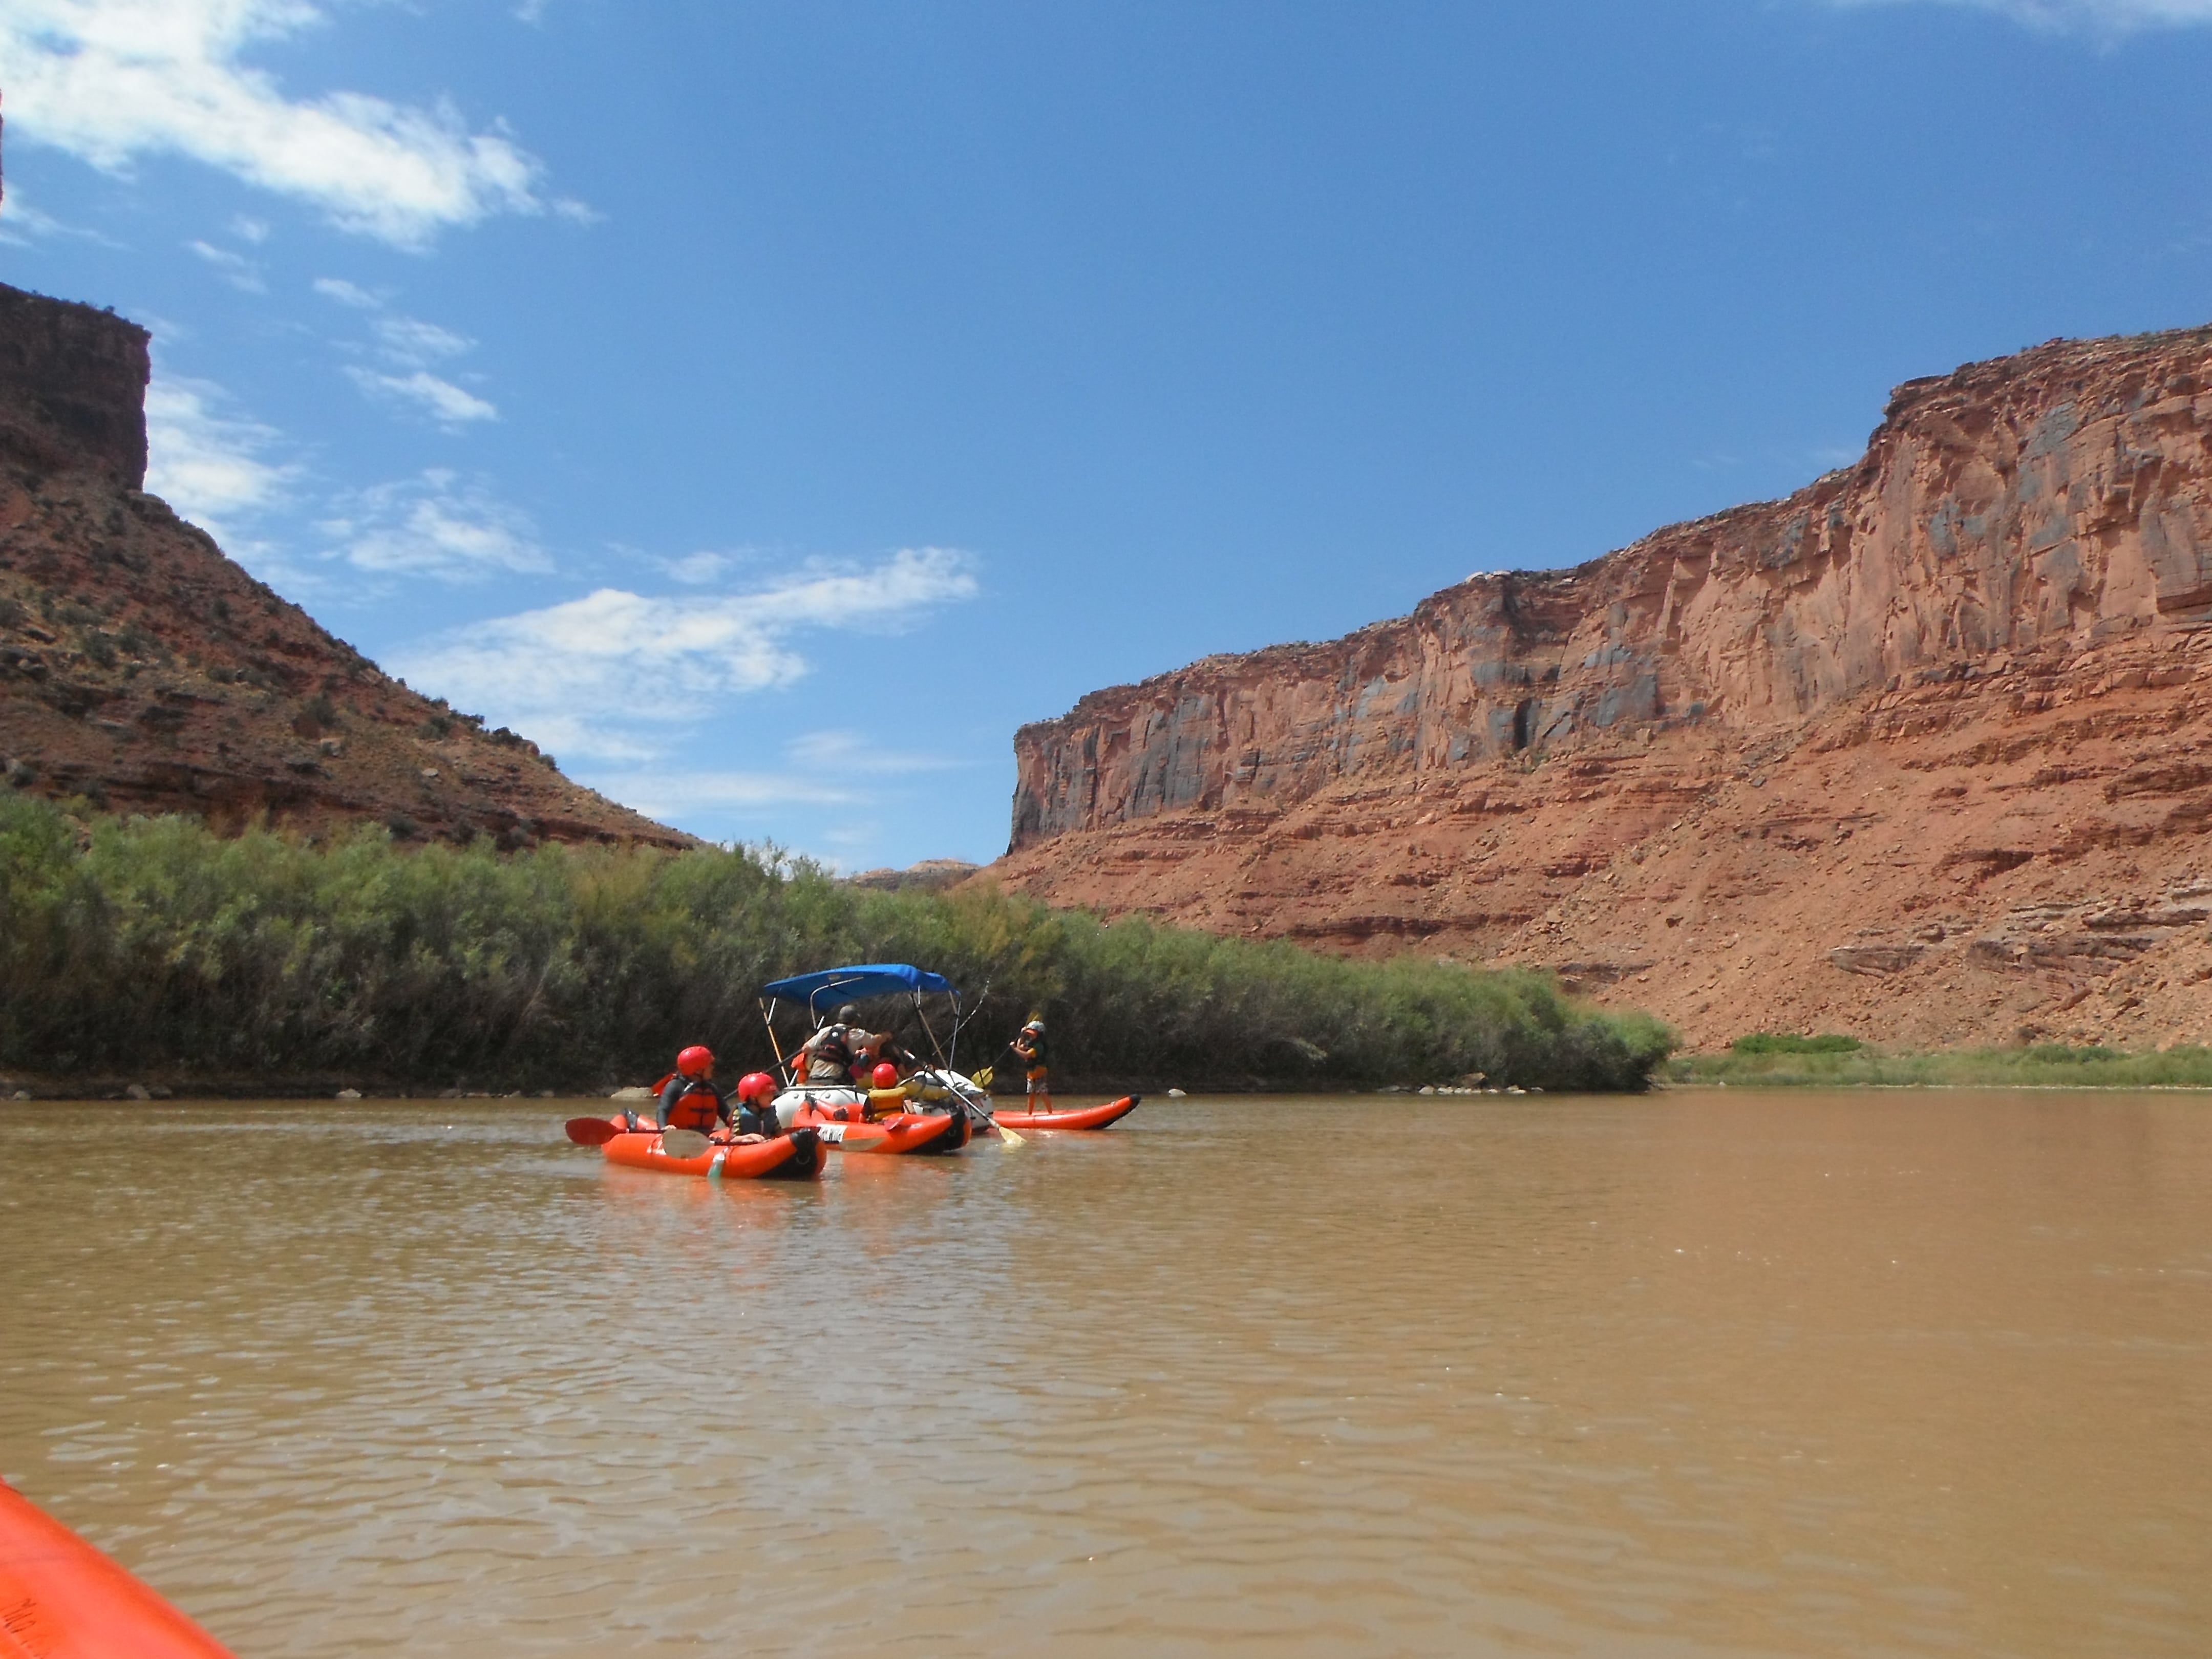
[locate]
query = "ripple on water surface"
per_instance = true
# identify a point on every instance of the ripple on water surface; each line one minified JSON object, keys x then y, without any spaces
{"x":1689,"y":1376}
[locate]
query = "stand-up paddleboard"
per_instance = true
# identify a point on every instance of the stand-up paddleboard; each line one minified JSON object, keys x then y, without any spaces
{"x":62,"y":1599}
{"x":1085,"y":1117}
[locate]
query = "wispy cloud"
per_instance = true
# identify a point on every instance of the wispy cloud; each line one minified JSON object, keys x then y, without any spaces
{"x":2100,"y":17}
{"x":112,"y":80}
{"x":614,"y":673}
{"x":210,"y":465}
{"x":699,"y":569}
{"x":434,"y":525}
{"x":348,"y":294}
{"x":411,"y":341}
{"x":670,"y":794}
{"x":427,"y":393}
{"x":235,"y":268}
{"x":840,"y":753}
{"x":412,"y":345}
{"x":20,"y":224}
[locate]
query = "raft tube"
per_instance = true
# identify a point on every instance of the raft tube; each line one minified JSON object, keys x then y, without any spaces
{"x":798,"y":1156}
{"x":929,"y":1134}
{"x":1087,"y":1117}
{"x":62,"y":1599}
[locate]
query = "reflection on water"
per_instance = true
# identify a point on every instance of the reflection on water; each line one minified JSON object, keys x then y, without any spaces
{"x":1695,"y":1375}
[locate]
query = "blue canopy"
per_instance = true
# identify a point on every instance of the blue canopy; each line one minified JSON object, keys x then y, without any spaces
{"x":869,"y":979}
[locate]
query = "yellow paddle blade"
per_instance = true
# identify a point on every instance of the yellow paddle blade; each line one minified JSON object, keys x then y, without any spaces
{"x":983,"y":1078}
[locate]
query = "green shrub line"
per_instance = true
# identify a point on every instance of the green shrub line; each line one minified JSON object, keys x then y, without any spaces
{"x":152,"y":947}
{"x":1786,"y":1042}
{"x":2044,"y":1066}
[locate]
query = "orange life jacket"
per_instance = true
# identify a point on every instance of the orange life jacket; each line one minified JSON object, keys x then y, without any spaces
{"x":697,"y":1108}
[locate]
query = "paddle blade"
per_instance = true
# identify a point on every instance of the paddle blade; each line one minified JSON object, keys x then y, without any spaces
{"x":983,"y":1079}
{"x":592,"y":1131}
{"x":1007,"y":1136}
{"x":682,"y":1143}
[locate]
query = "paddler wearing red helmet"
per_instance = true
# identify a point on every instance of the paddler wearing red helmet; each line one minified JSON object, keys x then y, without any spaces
{"x":690,"y":1098}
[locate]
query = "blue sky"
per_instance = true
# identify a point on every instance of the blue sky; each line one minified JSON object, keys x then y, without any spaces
{"x":770,"y":407}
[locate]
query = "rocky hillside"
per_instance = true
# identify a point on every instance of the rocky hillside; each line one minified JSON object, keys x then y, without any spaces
{"x":142,"y":669}
{"x":1922,"y":752}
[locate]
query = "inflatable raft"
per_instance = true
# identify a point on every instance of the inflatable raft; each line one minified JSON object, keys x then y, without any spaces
{"x":1087,"y":1117}
{"x":798,"y":1156}
{"x":62,"y":1599}
{"x":840,"y":1117}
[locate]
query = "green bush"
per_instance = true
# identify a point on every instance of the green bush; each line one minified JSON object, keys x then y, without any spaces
{"x":1787,"y":1042}
{"x":151,"y":942}
{"x":2052,"y":1064}
{"x":2063,"y":1053}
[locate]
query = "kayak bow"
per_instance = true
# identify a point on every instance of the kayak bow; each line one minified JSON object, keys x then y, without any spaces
{"x":62,"y":1599}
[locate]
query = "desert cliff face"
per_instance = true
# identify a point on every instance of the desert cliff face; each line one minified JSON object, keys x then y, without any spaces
{"x":142,"y":669}
{"x":1919,"y":752}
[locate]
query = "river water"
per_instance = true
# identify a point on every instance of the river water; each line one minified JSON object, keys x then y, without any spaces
{"x":1702,"y":1373}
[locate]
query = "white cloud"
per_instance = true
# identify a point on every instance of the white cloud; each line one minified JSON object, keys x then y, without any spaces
{"x":434,"y":526}
{"x":848,"y":754}
{"x":347,"y":294}
{"x":210,"y":466}
{"x":411,"y":345}
{"x":410,"y":341}
{"x":113,"y":80}
{"x":20,"y":222}
{"x":440,"y":399}
{"x":699,"y":569}
{"x":671,"y":795}
{"x":2105,"y":18}
{"x":610,"y":674}
{"x":235,"y":268}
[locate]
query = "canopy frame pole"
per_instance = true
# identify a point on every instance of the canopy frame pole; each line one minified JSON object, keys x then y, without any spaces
{"x":935,"y":1047}
{"x":768,"y":1018}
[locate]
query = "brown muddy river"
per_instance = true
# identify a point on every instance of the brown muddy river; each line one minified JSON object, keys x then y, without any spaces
{"x":1698,"y":1375}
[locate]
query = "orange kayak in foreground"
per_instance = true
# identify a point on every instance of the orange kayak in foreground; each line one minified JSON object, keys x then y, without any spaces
{"x":798,"y":1156}
{"x":62,"y":1599}
{"x":1087,"y":1117}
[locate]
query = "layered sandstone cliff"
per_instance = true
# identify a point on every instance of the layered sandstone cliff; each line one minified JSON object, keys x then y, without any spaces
{"x":1919,"y":752}
{"x":142,"y":669}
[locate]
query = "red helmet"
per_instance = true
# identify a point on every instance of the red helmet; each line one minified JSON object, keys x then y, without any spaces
{"x":886,"y":1076}
{"x":756,"y":1087}
{"x":695,"y":1061}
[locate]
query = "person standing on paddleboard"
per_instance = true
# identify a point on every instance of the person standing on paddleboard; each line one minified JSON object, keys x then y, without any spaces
{"x":1030,"y":1048}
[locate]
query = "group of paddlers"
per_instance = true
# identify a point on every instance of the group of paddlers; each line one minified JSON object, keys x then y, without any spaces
{"x":840,"y":1053}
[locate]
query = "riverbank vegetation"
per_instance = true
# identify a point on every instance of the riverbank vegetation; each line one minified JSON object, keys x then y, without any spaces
{"x":152,"y":949}
{"x":1767,"y":1060}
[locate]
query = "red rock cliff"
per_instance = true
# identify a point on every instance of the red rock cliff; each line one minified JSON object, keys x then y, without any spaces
{"x":142,"y":668}
{"x":1889,"y":755}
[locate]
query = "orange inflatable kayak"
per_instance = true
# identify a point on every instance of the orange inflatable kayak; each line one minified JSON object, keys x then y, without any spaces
{"x":1087,"y":1117}
{"x":798,"y":1156}
{"x":925,"y":1133}
{"x":62,"y":1599}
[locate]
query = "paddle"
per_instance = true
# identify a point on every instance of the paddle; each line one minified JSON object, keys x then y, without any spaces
{"x":982,"y":1080}
{"x":598,"y":1131}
